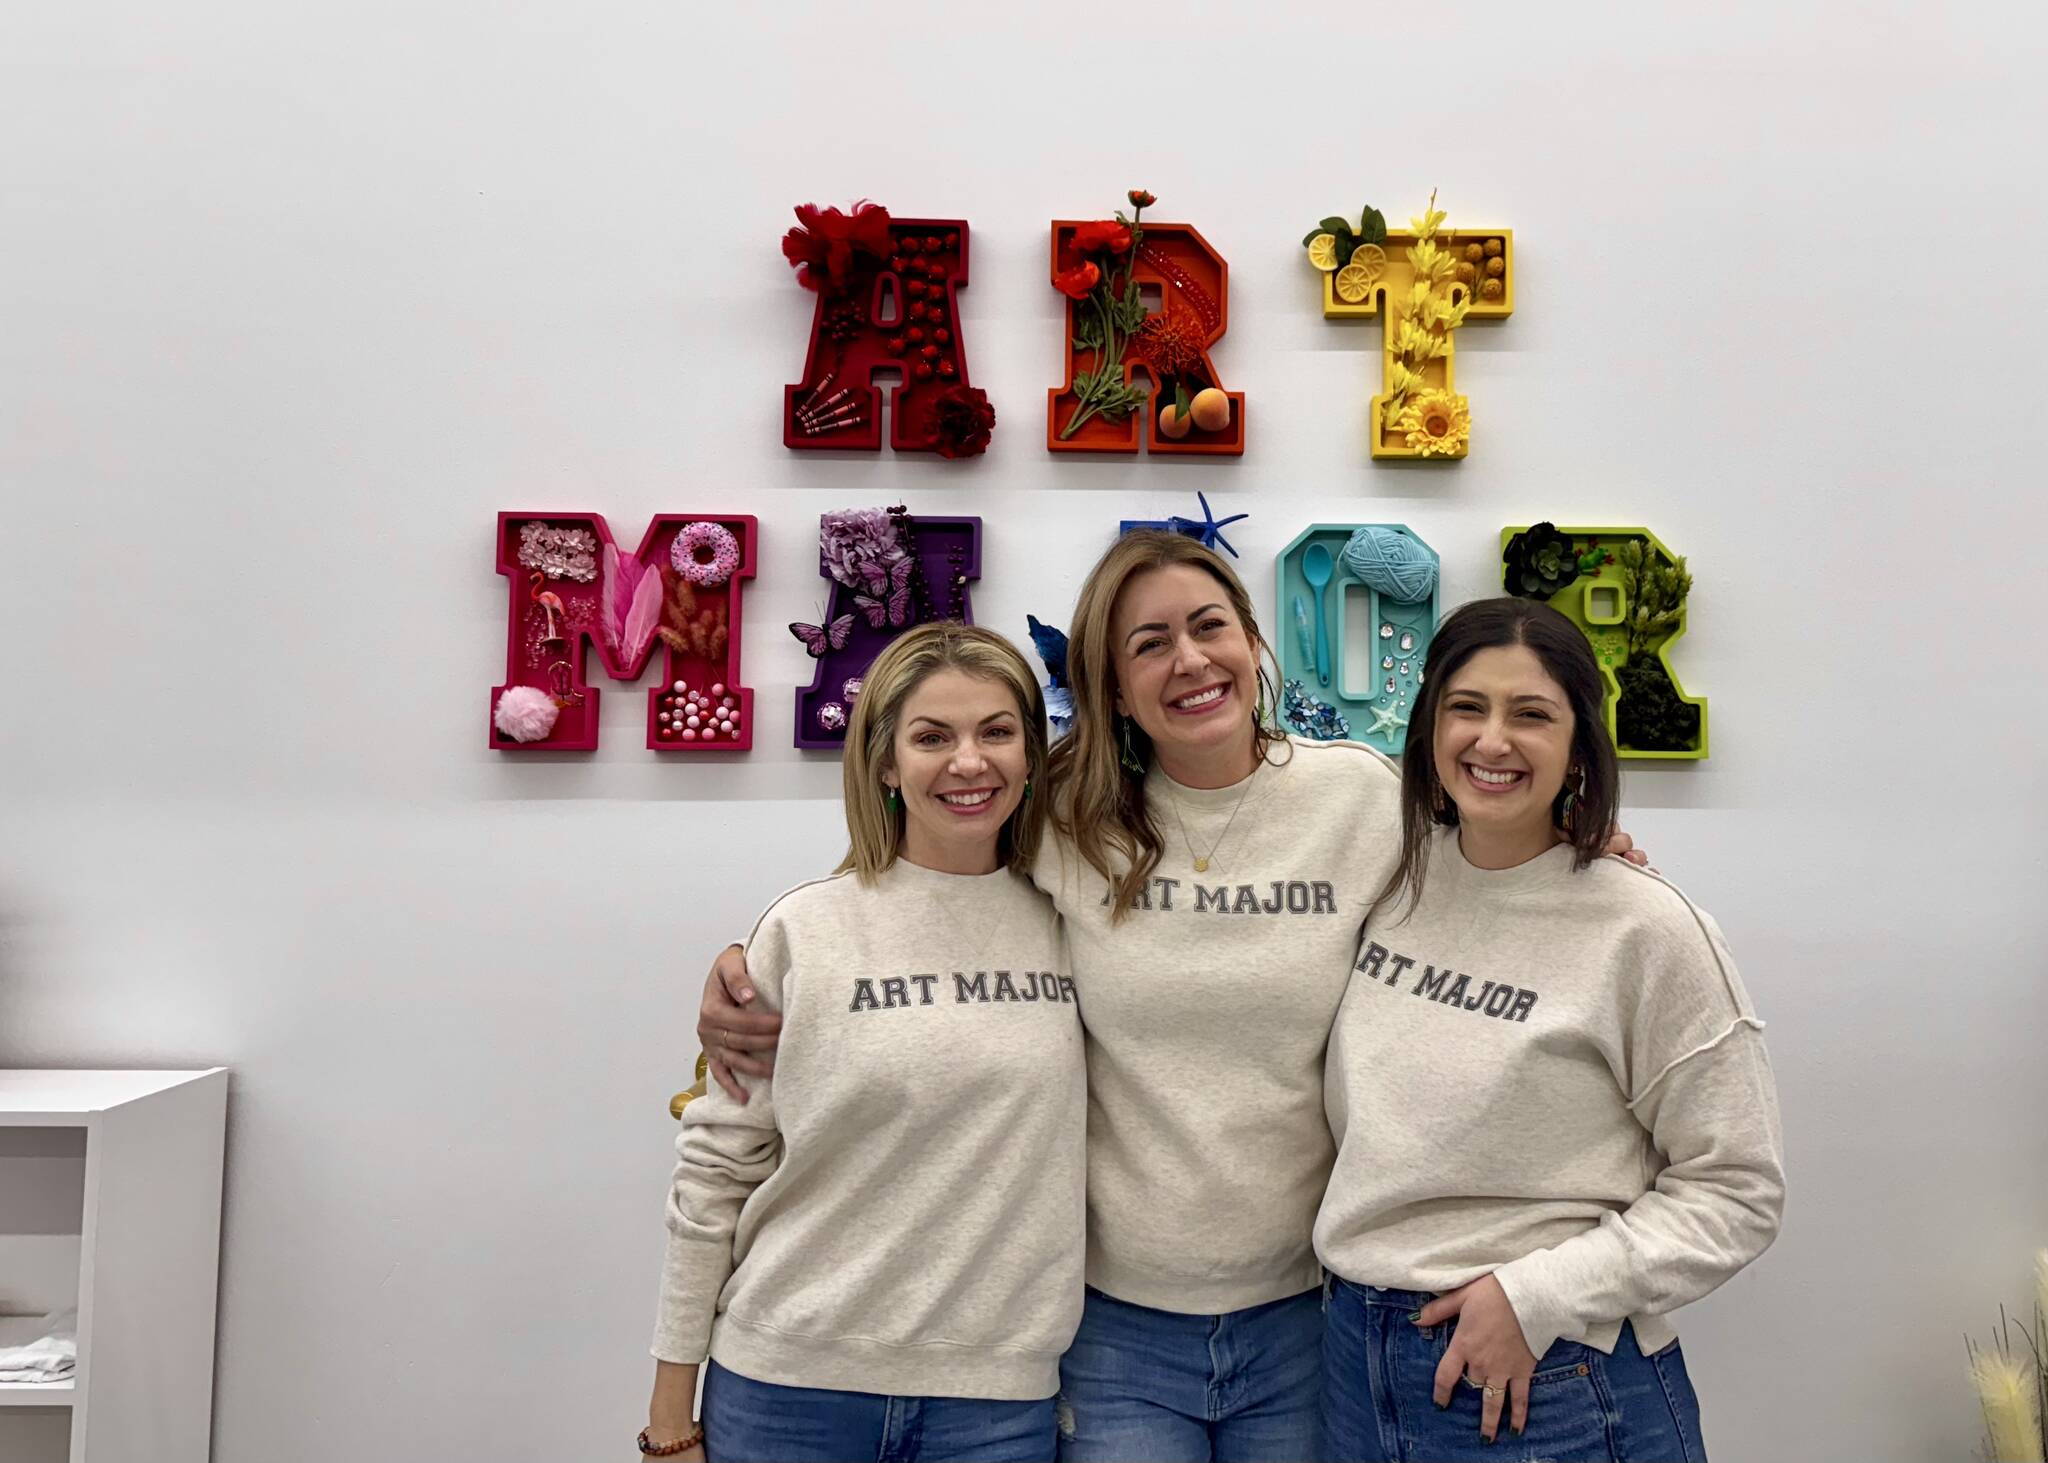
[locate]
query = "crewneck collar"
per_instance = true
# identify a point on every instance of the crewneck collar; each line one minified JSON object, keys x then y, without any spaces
{"x":1537,"y":873}
{"x":903,"y":874}
{"x":1159,"y":785}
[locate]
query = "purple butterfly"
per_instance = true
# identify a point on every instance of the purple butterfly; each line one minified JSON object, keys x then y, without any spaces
{"x":817,"y":638}
{"x":897,"y":610}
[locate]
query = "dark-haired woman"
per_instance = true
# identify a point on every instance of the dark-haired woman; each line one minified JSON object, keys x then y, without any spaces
{"x":1555,"y":1116}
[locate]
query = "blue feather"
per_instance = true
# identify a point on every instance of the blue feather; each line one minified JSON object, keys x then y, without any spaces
{"x":1051,"y":645}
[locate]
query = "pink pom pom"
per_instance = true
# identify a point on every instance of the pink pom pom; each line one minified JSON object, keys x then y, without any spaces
{"x":526,"y":714}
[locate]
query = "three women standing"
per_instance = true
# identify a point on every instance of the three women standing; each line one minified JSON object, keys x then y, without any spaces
{"x":1213,"y":879}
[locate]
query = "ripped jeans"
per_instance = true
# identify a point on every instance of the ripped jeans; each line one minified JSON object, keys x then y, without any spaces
{"x":1146,"y":1386}
{"x":1379,"y":1372}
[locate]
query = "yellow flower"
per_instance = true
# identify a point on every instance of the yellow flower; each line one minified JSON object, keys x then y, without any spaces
{"x":1437,"y":424}
{"x":1415,"y":343}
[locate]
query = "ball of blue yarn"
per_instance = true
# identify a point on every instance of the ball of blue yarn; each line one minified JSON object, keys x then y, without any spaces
{"x":1398,"y":566}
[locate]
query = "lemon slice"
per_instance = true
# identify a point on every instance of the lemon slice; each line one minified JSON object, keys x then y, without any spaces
{"x":1322,"y":252}
{"x":1354,"y":283}
{"x":1370,"y":257}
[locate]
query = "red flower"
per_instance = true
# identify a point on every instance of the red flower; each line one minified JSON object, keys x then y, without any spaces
{"x":823,"y":250}
{"x":1106,"y":234}
{"x":962,"y":421}
{"x":1076,"y":282}
{"x":1140,"y":198}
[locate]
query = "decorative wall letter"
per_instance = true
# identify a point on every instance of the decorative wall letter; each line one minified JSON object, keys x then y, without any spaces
{"x":888,"y":302}
{"x":1328,"y":688}
{"x":889,"y":571}
{"x":1627,"y":592}
{"x":570,"y":584}
{"x":1113,"y":272}
{"x":1424,"y":282}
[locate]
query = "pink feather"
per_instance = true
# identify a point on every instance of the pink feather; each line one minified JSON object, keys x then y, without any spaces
{"x":621,"y":578}
{"x":641,"y":618}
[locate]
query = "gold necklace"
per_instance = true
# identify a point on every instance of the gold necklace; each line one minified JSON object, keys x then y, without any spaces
{"x":1202,"y":859}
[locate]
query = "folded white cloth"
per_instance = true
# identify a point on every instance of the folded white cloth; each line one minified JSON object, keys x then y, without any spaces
{"x":51,"y":1357}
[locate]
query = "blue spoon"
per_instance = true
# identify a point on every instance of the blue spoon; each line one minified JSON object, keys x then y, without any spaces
{"x":1315,"y":568}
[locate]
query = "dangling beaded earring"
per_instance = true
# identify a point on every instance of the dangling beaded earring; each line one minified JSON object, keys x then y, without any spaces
{"x":1571,"y":796}
{"x":1027,"y":789}
{"x":1259,"y":711}
{"x":895,"y":799}
{"x":1129,"y":755}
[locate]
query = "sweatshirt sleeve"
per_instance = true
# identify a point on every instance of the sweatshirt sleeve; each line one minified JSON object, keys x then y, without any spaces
{"x":724,"y":1152}
{"x":1709,"y":1104}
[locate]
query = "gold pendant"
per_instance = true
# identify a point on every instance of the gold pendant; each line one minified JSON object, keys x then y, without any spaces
{"x":1201,"y":866}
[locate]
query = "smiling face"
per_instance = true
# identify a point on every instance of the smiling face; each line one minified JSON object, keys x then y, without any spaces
{"x":960,"y":760}
{"x":1503,"y":747}
{"x":1186,"y":672}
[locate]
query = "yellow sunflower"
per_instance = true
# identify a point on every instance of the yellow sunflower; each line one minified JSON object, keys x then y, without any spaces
{"x":1437,"y":424}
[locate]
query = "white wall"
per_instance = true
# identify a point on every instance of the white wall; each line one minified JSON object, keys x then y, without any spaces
{"x":293,"y":300}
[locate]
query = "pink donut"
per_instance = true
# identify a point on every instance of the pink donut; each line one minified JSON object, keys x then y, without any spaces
{"x":705,"y":554}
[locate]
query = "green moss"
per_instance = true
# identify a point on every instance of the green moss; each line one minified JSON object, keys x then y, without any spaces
{"x":1650,"y":717}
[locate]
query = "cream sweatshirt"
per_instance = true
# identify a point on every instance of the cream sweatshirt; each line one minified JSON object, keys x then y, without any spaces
{"x":1207,"y":1011}
{"x":899,"y":1209}
{"x":1556,"y":1078}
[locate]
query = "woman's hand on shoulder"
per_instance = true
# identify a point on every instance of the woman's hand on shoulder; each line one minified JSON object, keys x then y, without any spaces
{"x":1486,"y":1351}
{"x":734,"y":1037}
{"x":1620,"y":845}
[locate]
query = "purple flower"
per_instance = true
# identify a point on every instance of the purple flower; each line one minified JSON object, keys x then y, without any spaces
{"x":859,"y":546}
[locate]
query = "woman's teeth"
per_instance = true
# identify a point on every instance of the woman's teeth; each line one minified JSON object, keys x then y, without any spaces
{"x":1200,"y":698}
{"x":965,"y":799}
{"x":1493,"y":779}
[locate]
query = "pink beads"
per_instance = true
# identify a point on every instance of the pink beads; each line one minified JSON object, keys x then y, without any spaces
{"x":698,"y":716}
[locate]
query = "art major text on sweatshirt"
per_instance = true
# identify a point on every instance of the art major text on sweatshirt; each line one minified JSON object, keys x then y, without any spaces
{"x":1447,"y":987}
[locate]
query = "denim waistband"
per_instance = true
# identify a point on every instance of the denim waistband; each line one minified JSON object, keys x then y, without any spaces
{"x":1376,"y":1295}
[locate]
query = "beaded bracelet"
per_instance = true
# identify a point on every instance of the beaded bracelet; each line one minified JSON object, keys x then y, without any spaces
{"x":668,"y":1450}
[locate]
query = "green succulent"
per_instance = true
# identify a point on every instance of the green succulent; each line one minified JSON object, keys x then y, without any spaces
{"x":1540,"y":561}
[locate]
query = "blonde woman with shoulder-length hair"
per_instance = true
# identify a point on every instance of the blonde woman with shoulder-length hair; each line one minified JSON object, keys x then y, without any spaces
{"x":830,"y":1240}
{"x":1212,"y":876}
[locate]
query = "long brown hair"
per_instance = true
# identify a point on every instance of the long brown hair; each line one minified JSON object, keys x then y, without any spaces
{"x":1568,"y":659}
{"x":874,"y":825}
{"x":1097,"y":801}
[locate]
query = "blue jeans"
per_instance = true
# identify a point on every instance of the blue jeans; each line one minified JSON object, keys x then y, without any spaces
{"x":746,"y":1421}
{"x":1379,"y":1371}
{"x":1160,"y":1387}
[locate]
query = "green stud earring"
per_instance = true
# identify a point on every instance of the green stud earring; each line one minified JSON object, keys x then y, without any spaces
{"x":1129,"y":754}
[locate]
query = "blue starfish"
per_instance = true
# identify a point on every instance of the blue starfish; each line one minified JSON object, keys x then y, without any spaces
{"x":1209,"y":531}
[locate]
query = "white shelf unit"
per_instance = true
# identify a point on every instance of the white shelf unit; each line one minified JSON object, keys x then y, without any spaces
{"x":110,"y":1190}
